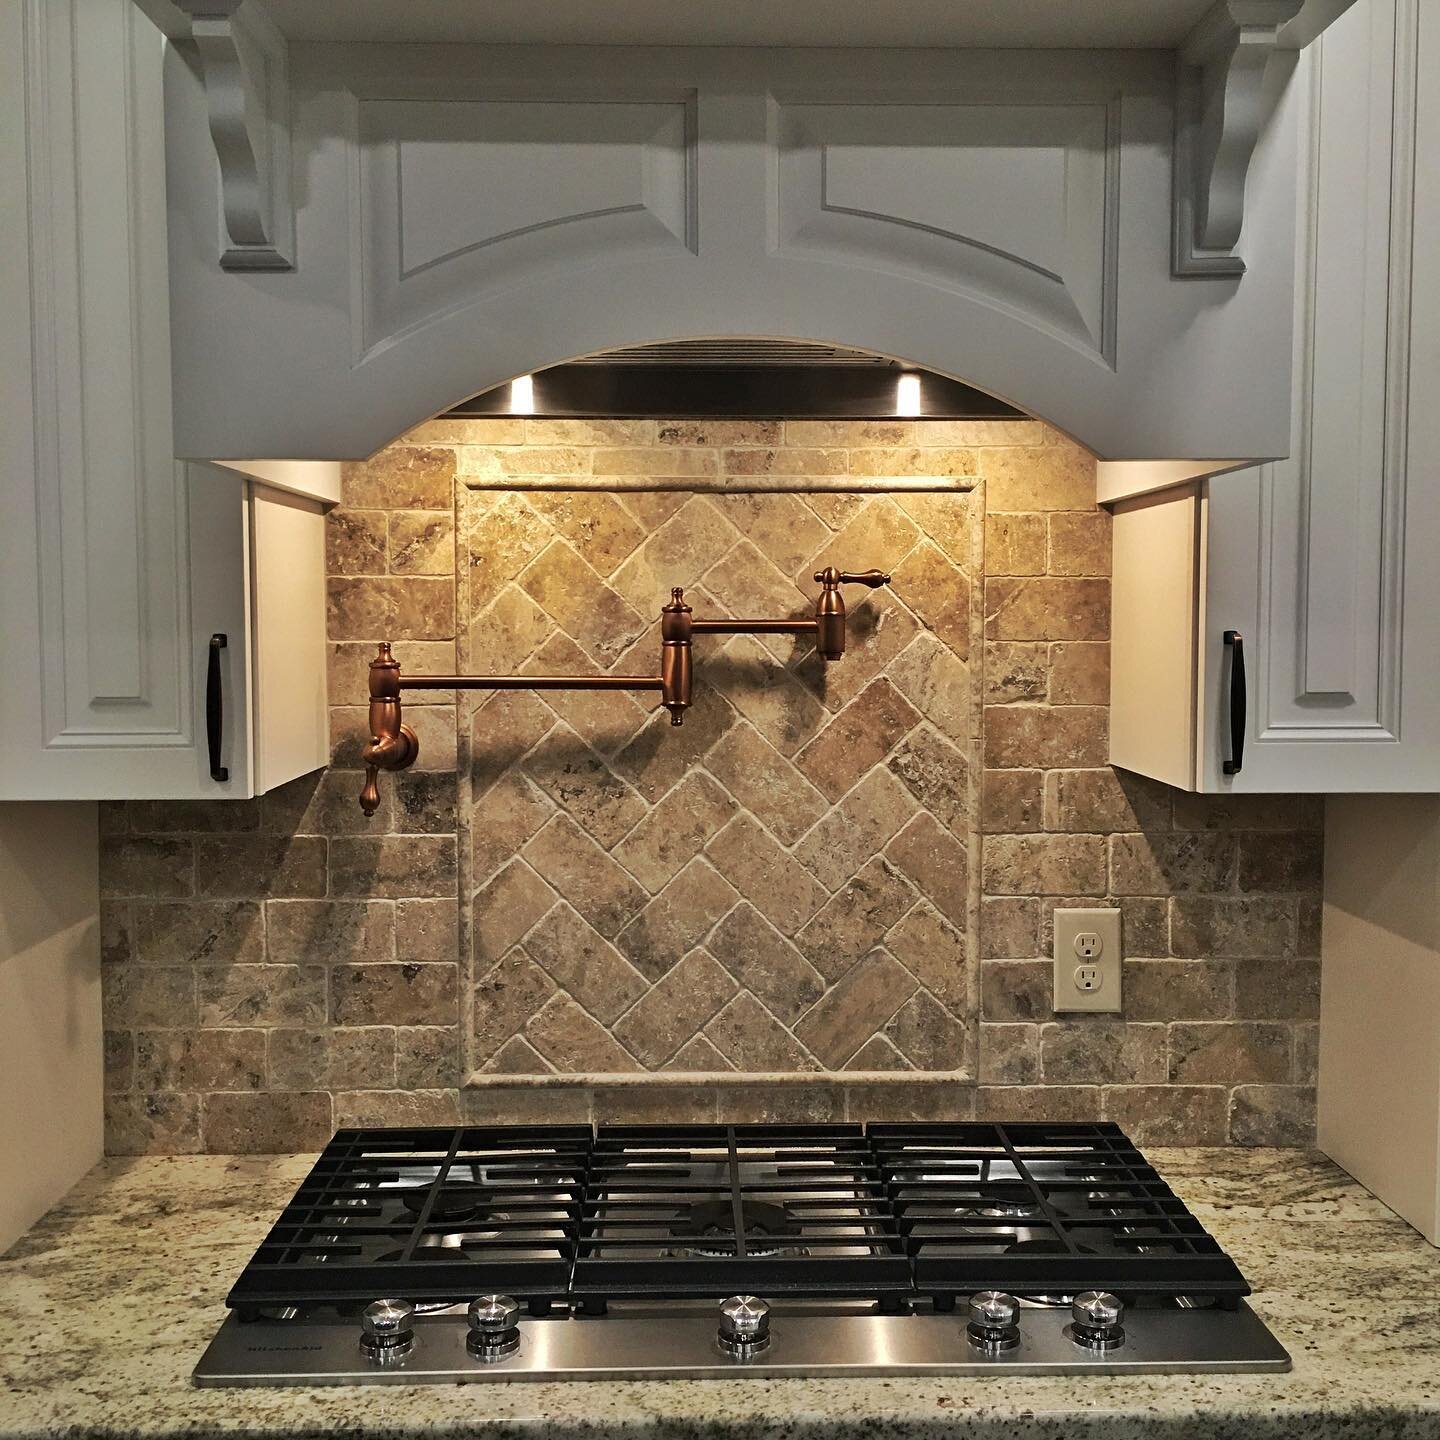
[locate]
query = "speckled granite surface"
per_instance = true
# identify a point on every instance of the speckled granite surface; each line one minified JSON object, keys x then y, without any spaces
{"x":108,"y":1302}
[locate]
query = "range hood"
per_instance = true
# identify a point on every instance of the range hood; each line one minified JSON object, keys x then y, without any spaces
{"x":1087,"y":210}
{"x":738,"y":380}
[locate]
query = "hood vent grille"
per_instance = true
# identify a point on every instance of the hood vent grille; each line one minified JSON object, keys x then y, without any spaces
{"x":739,"y":352}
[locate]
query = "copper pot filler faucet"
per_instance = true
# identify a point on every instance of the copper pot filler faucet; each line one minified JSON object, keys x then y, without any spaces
{"x":393,"y":745}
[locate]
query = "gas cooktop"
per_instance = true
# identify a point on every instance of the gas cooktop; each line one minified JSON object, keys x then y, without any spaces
{"x":558,"y":1252}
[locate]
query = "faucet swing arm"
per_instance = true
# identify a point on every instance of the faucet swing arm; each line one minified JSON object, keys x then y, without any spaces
{"x":394,"y":745}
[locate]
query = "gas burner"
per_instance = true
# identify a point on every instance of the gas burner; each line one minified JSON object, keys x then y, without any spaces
{"x":453,"y":1203}
{"x":1047,"y":1245}
{"x":765,"y":1226}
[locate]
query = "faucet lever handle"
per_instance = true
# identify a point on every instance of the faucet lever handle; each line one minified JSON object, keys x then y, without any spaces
{"x":832,"y":579}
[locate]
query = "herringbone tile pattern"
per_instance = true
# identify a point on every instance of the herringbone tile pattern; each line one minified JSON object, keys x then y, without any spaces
{"x":735,"y":894}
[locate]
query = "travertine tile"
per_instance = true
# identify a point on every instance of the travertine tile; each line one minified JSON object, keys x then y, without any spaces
{"x":1102,"y":1051}
{"x":858,"y":738}
{"x":1178,"y":989}
{"x":1015,"y":544}
{"x":1229,"y":1053}
{"x":933,"y":678}
{"x":1011,"y":801}
{"x":746,"y":1036}
{"x":673,"y":1010}
{"x":579,"y":781}
{"x":146,"y":867}
{"x":585,"y":964}
{"x":676,"y":830}
{"x":1040,"y":477}
{"x":372,"y":608}
{"x":1103,"y":801}
{"x":1044,"y":865}
{"x":1157,"y":864}
{"x":937,"y":775}
{"x":927,"y":1034}
{"x":1272,"y":1115}
{"x":163,"y":1124}
{"x":936,"y":863}
{"x":763,"y":961}
{"x":1045,"y":608}
{"x":1009,"y":1054}
{"x":679,"y":917}
{"x":771,"y":879}
{"x":935,"y":953}
{"x":185,"y":932}
{"x":1017,"y":990}
{"x":273,"y":1123}
{"x":199,"y":1060}
{"x":409,"y":994}
{"x":257,"y":918}
{"x":928,"y":582}
{"x":1079,"y":673}
{"x":765,"y":783}
{"x":1079,"y":543}
{"x":393,"y":866}
{"x":259,"y":995}
{"x":601,"y":890}
{"x":1205,"y":926}
{"x":854,"y":830}
{"x":855,"y":918}
{"x":421,"y":542}
{"x":869,"y":993}
{"x":1168,"y":1114}
{"x":1016,"y":672}
{"x":403,"y":477}
{"x":1027,"y":736}
{"x":569,"y":1038}
{"x":327,"y":932}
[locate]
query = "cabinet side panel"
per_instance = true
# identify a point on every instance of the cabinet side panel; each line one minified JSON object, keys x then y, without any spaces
{"x":1152,"y":637}
{"x":288,"y":595}
{"x":49,"y":1007}
{"x":1379,"y":1092}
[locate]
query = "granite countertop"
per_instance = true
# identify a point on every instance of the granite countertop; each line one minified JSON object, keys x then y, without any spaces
{"x":106,"y":1305}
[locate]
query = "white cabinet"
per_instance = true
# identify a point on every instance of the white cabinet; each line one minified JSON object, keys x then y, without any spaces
{"x":118,"y":564}
{"x":1323,"y":563}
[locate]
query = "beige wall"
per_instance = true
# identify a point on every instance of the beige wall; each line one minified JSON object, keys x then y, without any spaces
{"x":50,"y":1066}
{"x":827,"y":895}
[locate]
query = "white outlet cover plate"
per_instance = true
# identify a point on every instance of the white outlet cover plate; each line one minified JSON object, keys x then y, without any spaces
{"x":1106,"y":997}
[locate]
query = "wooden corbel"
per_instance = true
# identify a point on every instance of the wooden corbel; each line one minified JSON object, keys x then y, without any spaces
{"x":243,"y":66}
{"x":1219,"y":110}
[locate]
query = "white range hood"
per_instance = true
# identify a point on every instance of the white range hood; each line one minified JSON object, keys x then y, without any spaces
{"x":1086,"y":209}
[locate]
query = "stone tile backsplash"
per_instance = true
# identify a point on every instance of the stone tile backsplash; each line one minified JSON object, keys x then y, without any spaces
{"x":828,"y":894}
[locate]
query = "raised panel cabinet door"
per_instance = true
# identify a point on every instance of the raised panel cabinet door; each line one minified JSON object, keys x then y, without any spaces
{"x":1325,"y":560}
{"x":96,"y":545}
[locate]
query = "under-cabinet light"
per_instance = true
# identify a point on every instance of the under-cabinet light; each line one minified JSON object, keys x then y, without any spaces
{"x":907,"y":395}
{"x":522,"y":395}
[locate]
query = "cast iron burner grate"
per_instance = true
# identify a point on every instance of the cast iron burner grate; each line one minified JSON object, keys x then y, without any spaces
{"x":714,"y":1210}
{"x":1044,"y":1211}
{"x":893,"y":1214}
{"x":427,"y":1215}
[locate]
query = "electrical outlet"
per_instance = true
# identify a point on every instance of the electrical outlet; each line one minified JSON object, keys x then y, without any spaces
{"x":1087,"y":960}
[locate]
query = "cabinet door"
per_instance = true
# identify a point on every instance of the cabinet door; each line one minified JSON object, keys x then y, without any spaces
{"x":95,"y":540}
{"x":1321,"y":560}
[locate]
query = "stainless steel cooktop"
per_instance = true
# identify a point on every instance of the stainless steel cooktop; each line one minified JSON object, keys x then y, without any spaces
{"x":484,"y":1254}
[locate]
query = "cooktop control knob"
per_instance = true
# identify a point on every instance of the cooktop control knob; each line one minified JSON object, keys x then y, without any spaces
{"x":494,"y":1327}
{"x":1095,"y":1320}
{"x":993,"y":1321}
{"x":387,"y":1330}
{"x":744,"y":1326}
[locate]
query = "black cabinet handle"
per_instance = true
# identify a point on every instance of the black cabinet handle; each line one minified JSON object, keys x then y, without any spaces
{"x":1236,"y":644}
{"x":215,"y":708}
